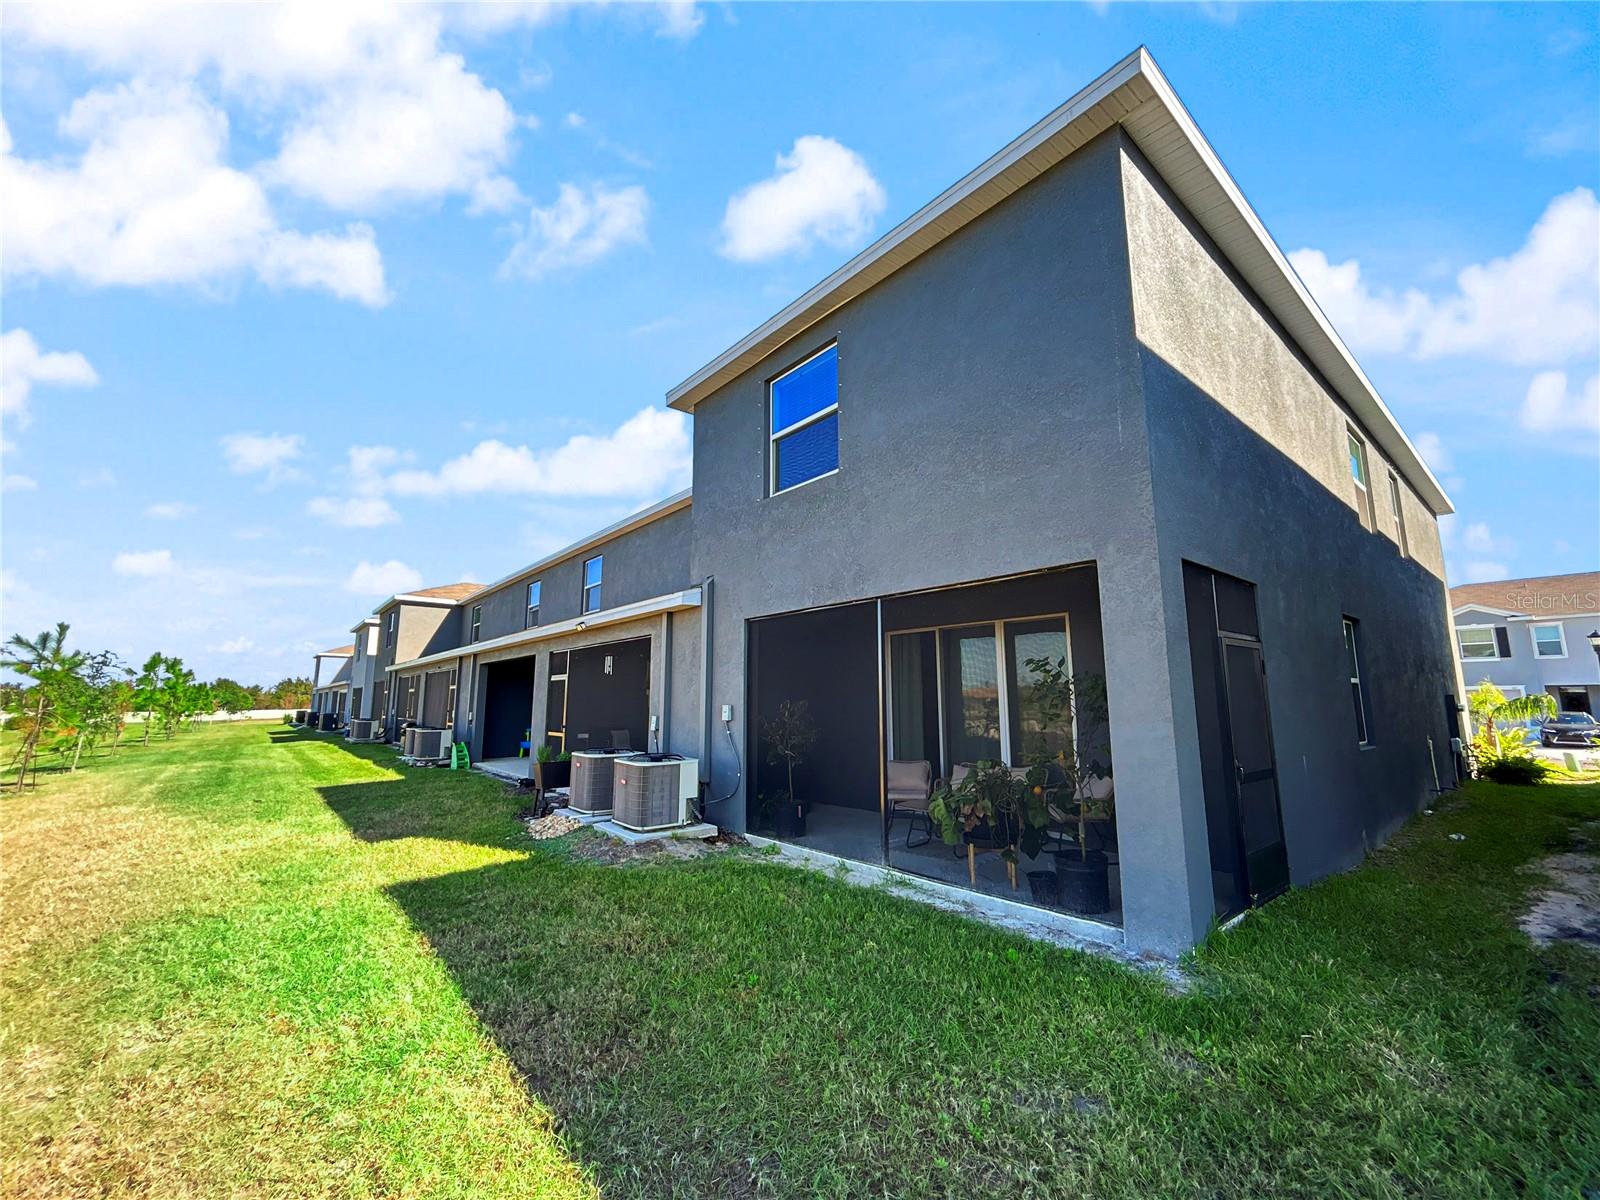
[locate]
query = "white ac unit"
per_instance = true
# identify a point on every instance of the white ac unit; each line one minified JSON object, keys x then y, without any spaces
{"x":363,"y":729}
{"x":407,"y":741}
{"x":654,"y":791}
{"x":430,"y":745}
{"x":591,"y":780}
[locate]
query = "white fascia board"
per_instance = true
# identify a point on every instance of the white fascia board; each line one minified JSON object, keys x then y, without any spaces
{"x":656,"y":605}
{"x":1136,"y":95}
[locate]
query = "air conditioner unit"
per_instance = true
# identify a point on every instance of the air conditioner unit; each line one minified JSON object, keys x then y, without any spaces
{"x":300,"y":715}
{"x":327,"y":722}
{"x":591,"y":780}
{"x":654,"y":791}
{"x":362,"y":729}
{"x":405,"y":742}
{"x":430,"y":745}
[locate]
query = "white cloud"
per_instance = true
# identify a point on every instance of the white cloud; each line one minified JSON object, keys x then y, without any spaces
{"x":1478,"y":538}
{"x":1434,"y":452}
{"x":428,"y":129}
{"x":648,"y":454}
{"x":238,"y":645}
{"x":365,"y":507}
{"x":168,"y":510}
{"x":382,"y":579}
{"x":1551,"y":407}
{"x":263,"y":454}
{"x":578,"y":229}
{"x":1538,"y":305}
{"x":821,"y":192}
{"x":353,"y":512}
{"x":22,"y":365}
{"x":10,"y":481}
{"x":152,"y":201}
{"x":143,"y":563}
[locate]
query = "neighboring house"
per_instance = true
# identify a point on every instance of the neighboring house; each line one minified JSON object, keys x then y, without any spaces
{"x":409,"y":625}
{"x":583,"y":649}
{"x":1532,"y":635}
{"x":363,"y":667}
{"x":1078,"y":409}
{"x":330,"y":681}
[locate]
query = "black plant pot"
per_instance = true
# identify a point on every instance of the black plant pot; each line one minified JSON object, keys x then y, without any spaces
{"x":1044,"y":887}
{"x":791,"y":821}
{"x":1084,"y":883}
{"x":557,"y":773}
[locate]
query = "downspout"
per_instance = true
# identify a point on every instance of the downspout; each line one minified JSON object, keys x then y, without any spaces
{"x":883,"y":750}
{"x":663,"y":732}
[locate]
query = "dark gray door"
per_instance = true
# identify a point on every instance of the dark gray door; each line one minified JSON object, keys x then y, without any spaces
{"x":1255,"y":773}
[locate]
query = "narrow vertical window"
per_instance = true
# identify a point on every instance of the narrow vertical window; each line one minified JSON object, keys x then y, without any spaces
{"x":803,"y":418}
{"x":1399,"y":516}
{"x":394,"y":617}
{"x":1358,"y":694}
{"x":593,"y":570}
{"x":533,"y":605}
{"x":1358,"y":473}
{"x":477,"y":623}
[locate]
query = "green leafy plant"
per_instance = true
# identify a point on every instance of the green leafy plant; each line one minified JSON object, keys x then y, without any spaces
{"x":991,"y":795}
{"x":1508,"y":759}
{"x":1074,"y":703}
{"x":1490,"y":708}
{"x":790,"y":733}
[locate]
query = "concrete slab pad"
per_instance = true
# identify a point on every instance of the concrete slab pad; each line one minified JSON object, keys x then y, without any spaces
{"x":633,"y":837}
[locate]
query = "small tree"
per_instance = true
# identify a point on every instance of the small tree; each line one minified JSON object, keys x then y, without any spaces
{"x":53,"y":673}
{"x":789,"y":734}
{"x":1077,"y":703}
{"x":1488,"y":706}
{"x":147,"y":689}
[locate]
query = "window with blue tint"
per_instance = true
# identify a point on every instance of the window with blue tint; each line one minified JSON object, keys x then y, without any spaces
{"x":533,"y":604}
{"x":593,"y":570}
{"x":805,"y":421}
{"x":807,"y":453}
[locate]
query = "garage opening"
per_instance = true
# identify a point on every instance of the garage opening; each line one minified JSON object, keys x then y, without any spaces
{"x":507,"y":706}
{"x":606,"y":696}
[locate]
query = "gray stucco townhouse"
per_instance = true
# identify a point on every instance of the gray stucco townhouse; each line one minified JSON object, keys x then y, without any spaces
{"x":1077,"y":409}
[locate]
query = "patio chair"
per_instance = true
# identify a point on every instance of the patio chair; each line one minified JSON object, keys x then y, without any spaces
{"x":1100,"y":832}
{"x":910,"y":784}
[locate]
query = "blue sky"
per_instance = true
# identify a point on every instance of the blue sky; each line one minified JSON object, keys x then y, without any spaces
{"x":300,"y":309}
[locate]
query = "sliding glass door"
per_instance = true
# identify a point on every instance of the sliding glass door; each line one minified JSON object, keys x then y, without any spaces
{"x":972,"y":718}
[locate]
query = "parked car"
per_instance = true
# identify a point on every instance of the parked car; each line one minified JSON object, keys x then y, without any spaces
{"x":1570,"y":729}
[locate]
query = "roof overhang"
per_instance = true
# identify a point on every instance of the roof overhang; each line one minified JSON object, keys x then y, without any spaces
{"x":645,"y":516}
{"x":1136,"y":95}
{"x":655,"y":606}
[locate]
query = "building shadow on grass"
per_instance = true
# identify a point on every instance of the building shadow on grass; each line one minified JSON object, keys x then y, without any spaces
{"x":444,"y":805}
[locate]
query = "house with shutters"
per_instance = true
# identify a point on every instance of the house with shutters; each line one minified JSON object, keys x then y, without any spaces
{"x":1532,"y":635}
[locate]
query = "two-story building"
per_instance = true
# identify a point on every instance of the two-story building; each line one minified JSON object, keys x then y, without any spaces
{"x":363,"y":666}
{"x":1532,"y":635}
{"x":412,"y":624}
{"x":1076,"y":416}
{"x":330,"y":681}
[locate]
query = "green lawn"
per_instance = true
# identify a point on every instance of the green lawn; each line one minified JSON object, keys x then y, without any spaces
{"x":253,"y":962}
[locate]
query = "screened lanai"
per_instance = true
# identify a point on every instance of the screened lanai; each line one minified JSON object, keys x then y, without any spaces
{"x":923,"y":687}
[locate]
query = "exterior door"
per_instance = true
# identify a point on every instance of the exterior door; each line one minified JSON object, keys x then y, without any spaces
{"x":1255,"y":773}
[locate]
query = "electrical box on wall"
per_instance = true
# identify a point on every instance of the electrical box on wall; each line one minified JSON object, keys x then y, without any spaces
{"x":727,"y":712}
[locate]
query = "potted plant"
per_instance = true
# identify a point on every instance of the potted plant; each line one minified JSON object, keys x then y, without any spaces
{"x":789,"y":735}
{"x":993,"y":807}
{"x":1079,"y":774}
{"x":551,"y":770}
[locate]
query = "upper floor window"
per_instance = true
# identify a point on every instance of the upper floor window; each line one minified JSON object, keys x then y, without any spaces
{"x":1483,"y":641}
{"x":804,"y":420}
{"x":1399,"y":515}
{"x":592,"y":571}
{"x":1549,"y":641}
{"x":1358,"y":472}
{"x":394,"y":619}
{"x":477,"y":623}
{"x":533,"y":605}
{"x":1358,"y":693}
